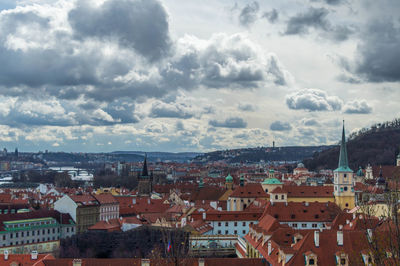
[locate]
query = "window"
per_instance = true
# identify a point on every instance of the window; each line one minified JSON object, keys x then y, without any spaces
{"x":54,"y":230}
{"x":67,"y":229}
{"x":4,"y":237}
{"x":44,"y":231}
{"x":303,"y":225}
{"x":226,"y":223}
{"x":314,"y":225}
{"x":48,"y":231}
{"x":283,"y":197}
{"x":244,"y":224}
{"x":22,"y":234}
{"x":294,"y":225}
{"x":27,"y":233}
{"x":219,"y":223}
{"x":16,"y":234}
{"x":235,"y":224}
{"x":276,"y":196}
{"x":345,"y":188}
{"x":219,"y":232}
{"x":244,"y":231}
{"x":33,"y":233}
{"x":11,"y":235}
{"x":343,"y":261}
{"x":235,"y":232}
{"x":226,"y":232}
{"x":311,"y":262}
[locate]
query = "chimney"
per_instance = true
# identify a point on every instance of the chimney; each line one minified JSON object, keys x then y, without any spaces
{"x":77,"y":262}
{"x":316,"y":238}
{"x":5,"y":254}
{"x":269,"y":248}
{"x":204,"y":215}
{"x":145,"y":262}
{"x":201,"y":262}
{"x":34,"y":254}
{"x":340,"y":238}
{"x":369,"y":234}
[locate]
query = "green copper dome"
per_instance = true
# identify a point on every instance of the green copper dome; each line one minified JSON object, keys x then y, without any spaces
{"x":271,"y":170}
{"x":271,"y":181}
{"x":229,"y":178}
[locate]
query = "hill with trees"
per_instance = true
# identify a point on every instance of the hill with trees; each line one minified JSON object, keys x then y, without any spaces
{"x":377,"y":145}
{"x":266,"y":154}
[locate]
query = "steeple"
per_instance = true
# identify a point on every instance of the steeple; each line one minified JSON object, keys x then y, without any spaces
{"x":145,"y":172}
{"x":343,"y":161}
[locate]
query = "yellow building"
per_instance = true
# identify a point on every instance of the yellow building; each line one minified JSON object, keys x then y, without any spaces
{"x":343,"y":179}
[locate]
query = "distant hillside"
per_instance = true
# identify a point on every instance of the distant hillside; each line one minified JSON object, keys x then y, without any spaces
{"x":293,"y":153}
{"x":377,"y":145}
{"x":159,"y":156}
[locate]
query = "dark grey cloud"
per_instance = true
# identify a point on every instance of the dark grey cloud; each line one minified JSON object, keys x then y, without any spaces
{"x":330,"y":2}
{"x":179,"y":126}
{"x":316,"y":18}
{"x":51,"y":62}
{"x":271,"y":16}
{"x":280,"y":126}
{"x":357,"y":107}
{"x":310,"y":122}
{"x":247,"y":107}
{"x":248,"y":15}
{"x":138,"y":24}
{"x":378,"y":54}
{"x":277,"y":72}
{"x":231,"y":122}
{"x":312,"y":18}
{"x":313,"y":100}
{"x":171,"y":110}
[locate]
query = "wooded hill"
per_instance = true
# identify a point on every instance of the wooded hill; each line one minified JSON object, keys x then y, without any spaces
{"x":377,"y":145}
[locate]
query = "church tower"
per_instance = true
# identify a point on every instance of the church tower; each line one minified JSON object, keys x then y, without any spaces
{"x":229,"y":182}
{"x":343,"y":179}
{"x":145,"y":181}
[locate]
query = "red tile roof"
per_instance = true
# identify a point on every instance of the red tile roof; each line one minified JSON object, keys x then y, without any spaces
{"x":298,"y":211}
{"x":25,"y":259}
{"x":63,"y":218}
{"x":309,"y":191}
{"x":105,"y":198}
{"x":214,"y":215}
{"x":250,"y":190}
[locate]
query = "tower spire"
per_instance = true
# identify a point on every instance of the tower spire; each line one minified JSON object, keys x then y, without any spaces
{"x":343,"y":161}
{"x":145,"y":172}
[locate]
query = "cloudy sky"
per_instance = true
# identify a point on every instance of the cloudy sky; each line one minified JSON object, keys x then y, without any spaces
{"x":167,"y":75}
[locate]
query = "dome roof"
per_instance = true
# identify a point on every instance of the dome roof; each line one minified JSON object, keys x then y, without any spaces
{"x":300,"y":165}
{"x":271,"y":181}
{"x":229,"y":178}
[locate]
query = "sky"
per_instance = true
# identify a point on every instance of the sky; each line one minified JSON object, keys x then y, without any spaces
{"x":167,"y":75}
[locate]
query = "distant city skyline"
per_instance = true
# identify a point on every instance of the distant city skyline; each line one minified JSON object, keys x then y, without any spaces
{"x":176,"y":76}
